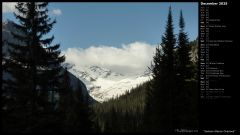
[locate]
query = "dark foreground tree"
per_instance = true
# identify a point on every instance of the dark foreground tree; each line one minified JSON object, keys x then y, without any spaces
{"x":34,"y":66}
{"x":158,"y":114}
{"x":185,"y":96}
{"x":183,"y":52}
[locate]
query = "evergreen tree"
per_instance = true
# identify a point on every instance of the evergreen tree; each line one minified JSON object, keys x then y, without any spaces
{"x":34,"y":65}
{"x":186,"y":86}
{"x":183,"y":52}
{"x":159,"y":98}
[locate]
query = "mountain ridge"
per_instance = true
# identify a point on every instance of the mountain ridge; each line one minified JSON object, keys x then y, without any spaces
{"x":104,"y":84}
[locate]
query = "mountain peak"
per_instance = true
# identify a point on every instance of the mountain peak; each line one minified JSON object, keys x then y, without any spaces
{"x":103,"y":83}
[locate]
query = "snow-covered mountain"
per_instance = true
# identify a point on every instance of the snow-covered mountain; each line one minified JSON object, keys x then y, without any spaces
{"x":103,"y":83}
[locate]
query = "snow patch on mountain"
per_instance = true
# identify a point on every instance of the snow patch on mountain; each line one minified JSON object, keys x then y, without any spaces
{"x":103,"y":84}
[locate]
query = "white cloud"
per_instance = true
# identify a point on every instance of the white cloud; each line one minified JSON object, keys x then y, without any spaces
{"x":130,"y":58}
{"x":8,"y":7}
{"x":56,"y":12}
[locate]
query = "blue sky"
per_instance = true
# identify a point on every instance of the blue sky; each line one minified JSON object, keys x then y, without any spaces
{"x":81,"y":25}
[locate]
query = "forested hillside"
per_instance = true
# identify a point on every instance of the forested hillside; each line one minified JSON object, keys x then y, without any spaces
{"x":124,"y":113}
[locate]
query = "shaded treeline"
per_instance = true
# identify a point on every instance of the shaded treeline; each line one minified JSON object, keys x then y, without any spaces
{"x":123,"y":113}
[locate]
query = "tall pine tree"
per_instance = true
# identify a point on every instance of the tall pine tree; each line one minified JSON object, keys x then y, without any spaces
{"x":159,"y":112}
{"x":183,"y":51}
{"x":34,"y":65}
{"x":185,"y":96}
